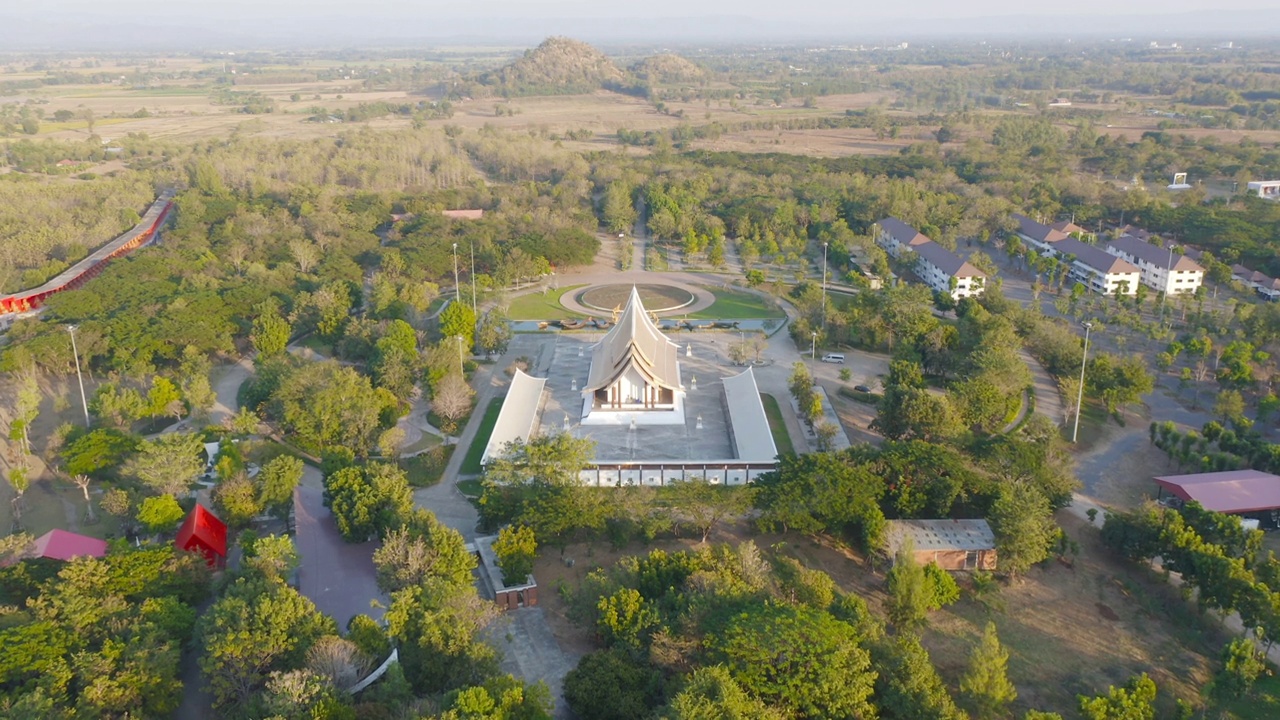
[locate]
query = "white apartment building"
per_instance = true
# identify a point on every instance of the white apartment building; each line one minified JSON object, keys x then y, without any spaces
{"x":1098,"y":270}
{"x":946,"y":272}
{"x":896,"y":236}
{"x":1160,"y":268}
{"x":1038,"y":236}
{"x":938,"y":267}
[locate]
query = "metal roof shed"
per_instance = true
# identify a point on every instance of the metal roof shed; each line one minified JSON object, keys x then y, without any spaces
{"x":1230,"y":491}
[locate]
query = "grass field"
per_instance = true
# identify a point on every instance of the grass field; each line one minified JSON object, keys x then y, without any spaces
{"x":471,"y":463}
{"x":540,"y":306}
{"x":1263,"y":704}
{"x":427,"y":468}
{"x":426,"y":442}
{"x":736,"y":305}
{"x":781,"y":438}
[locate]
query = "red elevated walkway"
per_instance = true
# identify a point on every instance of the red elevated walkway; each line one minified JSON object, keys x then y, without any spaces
{"x":76,"y":275}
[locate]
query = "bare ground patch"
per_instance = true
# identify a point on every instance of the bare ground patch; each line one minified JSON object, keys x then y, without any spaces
{"x":1069,"y":630}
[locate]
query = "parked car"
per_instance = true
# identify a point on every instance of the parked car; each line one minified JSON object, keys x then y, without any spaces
{"x":862,"y":388}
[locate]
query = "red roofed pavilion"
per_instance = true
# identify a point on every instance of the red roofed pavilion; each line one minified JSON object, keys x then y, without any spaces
{"x":64,"y":545}
{"x":204,"y":533}
{"x":1232,"y":491}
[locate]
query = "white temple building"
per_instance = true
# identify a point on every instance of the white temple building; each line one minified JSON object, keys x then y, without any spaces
{"x":658,"y":411}
{"x":635,"y":374}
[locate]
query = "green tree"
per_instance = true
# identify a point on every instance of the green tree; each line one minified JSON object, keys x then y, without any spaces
{"x":703,"y":506}
{"x":169,"y":463}
{"x":118,"y":406}
{"x":1134,"y":701}
{"x":941,"y":587}
{"x":421,"y":549}
{"x":436,"y":626}
{"x":822,"y":492}
{"x":1229,"y":406}
{"x":618,"y":210}
{"x":803,"y":660}
{"x":494,"y":333}
{"x":516,"y":548}
{"x":326,"y":404}
{"x":537,"y":484}
{"x":908,"y":601}
{"x":457,"y":320}
{"x":302,"y":695}
{"x":236,"y":500}
{"x":277,"y":481}
{"x":259,"y":625}
{"x":1022,"y":520}
{"x":164,"y":399}
{"x":986,"y":681}
{"x":907,"y":413}
{"x":609,"y":685}
{"x":273,"y":556}
{"x":97,"y":451}
{"x":270,"y":332}
{"x":367,"y":501}
{"x":801,"y":385}
{"x":907,"y":685}
{"x":160,"y":513}
{"x":501,"y":698}
{"x":627,"y":620}
{"x":711,"y":693}
{"x":1242,"y":664}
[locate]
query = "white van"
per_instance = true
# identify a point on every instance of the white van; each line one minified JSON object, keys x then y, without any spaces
{"x":833,"y":358}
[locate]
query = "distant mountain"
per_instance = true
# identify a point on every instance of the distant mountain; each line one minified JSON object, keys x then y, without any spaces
{"x":666,"y":69}
{"x":559,"y":65}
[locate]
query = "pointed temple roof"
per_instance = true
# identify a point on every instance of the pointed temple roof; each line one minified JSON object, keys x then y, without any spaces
{"x":634,"y":342}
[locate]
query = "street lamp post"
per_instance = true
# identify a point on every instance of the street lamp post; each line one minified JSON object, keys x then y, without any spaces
{"x":76,"y":354}
{"x":824,"y":286}
{"x":457,"y":291}
{"x":1168,"y":281}
{"x":813,"y":346}
{"x":473,"y":277}
{"x":1080,"y":393}
{"x":461,"y":371}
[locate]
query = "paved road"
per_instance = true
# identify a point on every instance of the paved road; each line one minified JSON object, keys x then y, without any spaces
{"x":338,"y":576}
{"x":226,"y":385}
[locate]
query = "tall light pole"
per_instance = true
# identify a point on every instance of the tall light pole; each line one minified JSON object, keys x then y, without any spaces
{"x":76,"y":354}
{"x":1168,"y":282}
{"x":1080,"y":393}
{"x":813,"y":346}
{"x":457,"y":290}
{"x":824,"y":286}
{"x":461,"y":371}
{"x":473,"y":277}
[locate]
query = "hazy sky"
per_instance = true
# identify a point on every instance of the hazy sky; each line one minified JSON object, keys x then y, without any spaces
{"x":139,"y":24}
{"x":478,"y":9}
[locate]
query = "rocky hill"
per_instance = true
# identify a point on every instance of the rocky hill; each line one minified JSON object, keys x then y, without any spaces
{"x":667,"y":69}
{"x":558,"y":65}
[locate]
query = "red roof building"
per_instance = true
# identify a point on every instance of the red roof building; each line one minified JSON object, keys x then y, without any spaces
{"x":1232,"y":491}
{"x":63,"y":545}
{"x":204,"y":533}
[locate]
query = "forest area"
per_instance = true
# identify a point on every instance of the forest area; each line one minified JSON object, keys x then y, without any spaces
{"x":327,"y":267}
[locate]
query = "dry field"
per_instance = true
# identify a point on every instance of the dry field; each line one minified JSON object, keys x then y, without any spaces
{"x":1069,"y":630}
{"x":815,"y":143}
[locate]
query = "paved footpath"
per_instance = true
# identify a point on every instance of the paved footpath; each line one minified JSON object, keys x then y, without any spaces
{"x":338,"y":576}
